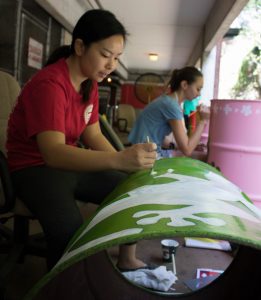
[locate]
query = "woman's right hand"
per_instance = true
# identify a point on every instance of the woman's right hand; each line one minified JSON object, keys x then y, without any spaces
{"x":137,"y":157}
{"x":204,"y":112}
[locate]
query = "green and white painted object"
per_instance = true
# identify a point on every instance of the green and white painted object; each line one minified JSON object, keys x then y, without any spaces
{"x":180,"y":197}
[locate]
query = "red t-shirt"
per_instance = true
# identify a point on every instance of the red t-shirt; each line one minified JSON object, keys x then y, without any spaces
{"x":47,"y":102}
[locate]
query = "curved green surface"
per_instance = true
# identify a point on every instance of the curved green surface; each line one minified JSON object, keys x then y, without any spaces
{"x":180,"y":197}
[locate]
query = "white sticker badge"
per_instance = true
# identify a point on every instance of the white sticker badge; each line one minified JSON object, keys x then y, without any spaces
{"x":88,"y":113}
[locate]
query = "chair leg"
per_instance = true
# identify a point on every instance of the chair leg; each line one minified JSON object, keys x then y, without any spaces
{"x":5,"y":232}
{"x":6,"y":237}
{"x":21,"y":229}
{"x":11,"y":260}
{"x":9,"y":264}
{"x":17,"y":244}
{"x":21,"y":234}
{"x":35,"y":244}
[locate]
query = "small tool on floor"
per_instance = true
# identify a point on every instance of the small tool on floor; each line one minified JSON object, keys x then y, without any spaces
{"x":174,"y":264}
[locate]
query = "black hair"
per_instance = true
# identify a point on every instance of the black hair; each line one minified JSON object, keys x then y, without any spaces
{"x":58,"y":53}
{"x":96,"y":25}
{"x":93,"y":26}
{"x":189,"y":74}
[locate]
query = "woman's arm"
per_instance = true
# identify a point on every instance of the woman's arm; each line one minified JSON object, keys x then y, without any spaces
{"x":187,"y":144}
{"x":57,"y":154}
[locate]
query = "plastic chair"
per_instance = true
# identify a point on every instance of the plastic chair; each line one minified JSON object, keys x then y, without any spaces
{"x":17,"y":242}
{"x":110,"y":134}
{"x":126,"y":117}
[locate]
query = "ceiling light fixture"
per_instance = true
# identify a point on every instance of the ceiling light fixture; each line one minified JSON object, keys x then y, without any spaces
{"x":153,"y":56}
{"x":109,"y":79}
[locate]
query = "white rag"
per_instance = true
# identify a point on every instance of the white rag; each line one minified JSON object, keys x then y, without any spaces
{"x":158,"y":279}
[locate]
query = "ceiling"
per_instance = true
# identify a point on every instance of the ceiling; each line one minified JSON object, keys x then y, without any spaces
{"x":171,"y":28}
{"x":180,"y":31}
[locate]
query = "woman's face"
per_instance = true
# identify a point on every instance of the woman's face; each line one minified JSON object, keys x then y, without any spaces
{"x":101,"y":58}
{"x":192,"y":90}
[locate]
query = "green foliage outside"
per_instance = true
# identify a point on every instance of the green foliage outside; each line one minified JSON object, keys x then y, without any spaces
{"x":248,"y":84}
{"x":249,"y":79}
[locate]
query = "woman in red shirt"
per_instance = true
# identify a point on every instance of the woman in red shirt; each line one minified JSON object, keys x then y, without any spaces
{"x":57,"y":106}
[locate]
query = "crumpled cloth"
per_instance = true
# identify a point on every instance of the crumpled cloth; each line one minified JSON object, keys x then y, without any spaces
{"x":158,"y":279}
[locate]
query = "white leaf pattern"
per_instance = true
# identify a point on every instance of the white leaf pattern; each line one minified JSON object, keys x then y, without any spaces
{"x":246,"y":110}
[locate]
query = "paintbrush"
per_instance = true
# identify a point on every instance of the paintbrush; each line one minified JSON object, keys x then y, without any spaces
{"x":148,"y":141}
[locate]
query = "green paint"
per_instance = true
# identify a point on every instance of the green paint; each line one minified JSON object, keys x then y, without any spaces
{"x":192,"y":200}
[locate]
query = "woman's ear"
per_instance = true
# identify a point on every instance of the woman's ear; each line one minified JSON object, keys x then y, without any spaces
{"x":79,"y":47}
{"x":184,"y":84}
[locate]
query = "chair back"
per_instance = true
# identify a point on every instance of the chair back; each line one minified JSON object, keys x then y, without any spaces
{"x":110,"y":134}
{"x":126,"y":117}
{"x":9,"y":90}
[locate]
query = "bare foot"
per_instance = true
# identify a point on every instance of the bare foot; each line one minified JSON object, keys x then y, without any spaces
{"x":127,"y":257}
{"x":131,"y":264}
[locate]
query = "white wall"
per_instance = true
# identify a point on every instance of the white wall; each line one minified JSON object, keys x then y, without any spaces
{"x":208,"y":70}
{"x":66,"y":12}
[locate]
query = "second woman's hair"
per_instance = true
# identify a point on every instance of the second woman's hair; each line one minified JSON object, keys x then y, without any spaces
{"x":189,"y":74}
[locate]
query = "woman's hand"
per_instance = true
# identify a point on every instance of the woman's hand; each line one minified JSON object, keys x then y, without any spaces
{"x":204,"y":112}
{"x":137,"y":157}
